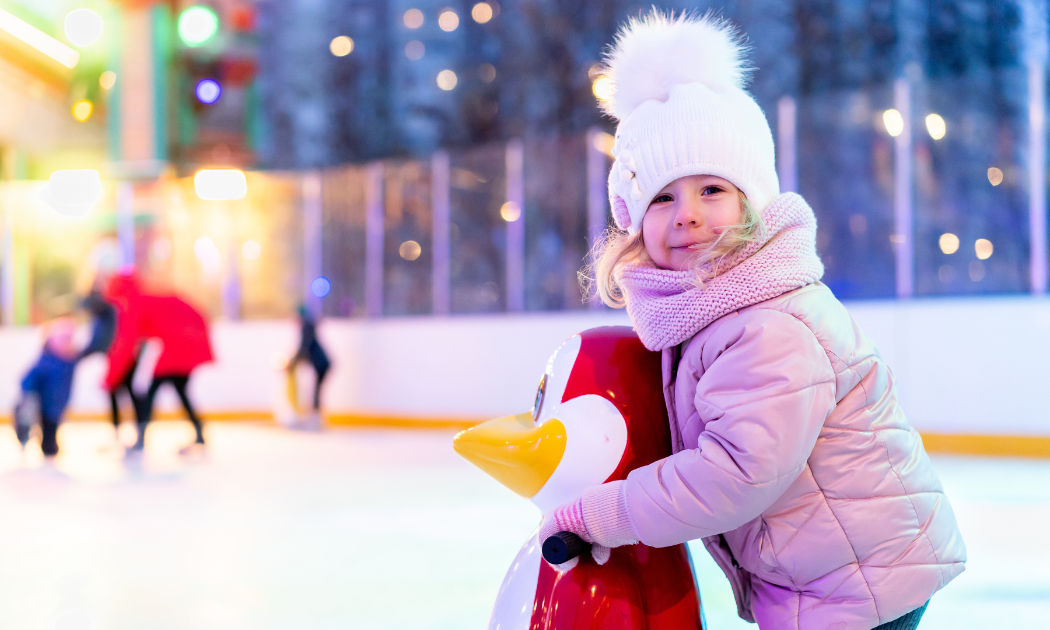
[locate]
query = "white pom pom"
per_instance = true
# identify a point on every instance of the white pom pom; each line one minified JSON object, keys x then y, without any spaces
{"x":655,"y":52}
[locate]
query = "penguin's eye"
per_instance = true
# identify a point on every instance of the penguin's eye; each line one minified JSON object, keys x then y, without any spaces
{"x":540,"y":392}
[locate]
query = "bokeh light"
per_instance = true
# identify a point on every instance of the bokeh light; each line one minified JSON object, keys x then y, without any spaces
{"x":206,"y":251}
{"x":410,"y":250}
{"x":602,"y":88}
{"x":983,"y":248}
{"x":107,"y":80}
{"x":321,"y":286}
{"x":510,"y":212}
{"x":977,"y":270}
{"x":487,"y":73}
{"x":448,"y":20}
{"x":251,"y":250}
{"x":415,"y":50}
{"x":83,"y":27}
{"x":995,"y":176}
{"x":197,"y":25}
{"x":946,"y":273}
{"x":935,"y":126}
{"x":858,"y":224}
{"x":446,"y":80}
{"x":482,"y":12}
{"x":604,"y":142}
{"x":82,"y":110}
{"x":208,"y":91}
{"x":893,"y":121}
{"x":413,"y":18}
{"x":949,"y":243}
{"x":223,"y":184}
{"x":73,"y":192}
{"x":341,"y":46}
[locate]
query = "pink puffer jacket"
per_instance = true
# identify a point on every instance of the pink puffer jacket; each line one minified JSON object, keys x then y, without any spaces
{"x":796,"y":465}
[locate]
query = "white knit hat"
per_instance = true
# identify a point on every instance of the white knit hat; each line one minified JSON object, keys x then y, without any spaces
{"x":678,"y":94}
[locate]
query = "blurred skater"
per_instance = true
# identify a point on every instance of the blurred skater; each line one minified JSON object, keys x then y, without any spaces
{"x":310,"y":350}
{"x":103,"y":331}
{"x":51,"y":382}
{"x":103,"y":323}
{"x":183,"y":335}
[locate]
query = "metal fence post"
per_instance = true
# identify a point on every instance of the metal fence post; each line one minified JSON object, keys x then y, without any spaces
{"x":126,"y":223}
{"x":1036,"y":175}
{"x":597,"y":198}
{"x":440,"y":242}
{"x":231,"y":284}
{"x":515,"y":163}
{"x":787,"y":144}
{"x":904,"y":240}
{"x":313,"y":233}
{"x":1034,"y":21}
{"x":374,"y":239}
{"x":7,"y":265}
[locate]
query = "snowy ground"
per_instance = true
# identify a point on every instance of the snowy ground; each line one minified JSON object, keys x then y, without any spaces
{"x":369,"y":529}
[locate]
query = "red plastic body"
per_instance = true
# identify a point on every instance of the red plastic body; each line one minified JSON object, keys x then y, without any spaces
{"x":640,"y":587}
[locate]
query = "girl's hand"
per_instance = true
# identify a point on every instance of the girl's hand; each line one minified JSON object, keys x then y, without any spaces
{"x":569,"y":518}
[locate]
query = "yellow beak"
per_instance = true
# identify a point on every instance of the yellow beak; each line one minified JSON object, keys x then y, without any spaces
{"x":518,"y":454}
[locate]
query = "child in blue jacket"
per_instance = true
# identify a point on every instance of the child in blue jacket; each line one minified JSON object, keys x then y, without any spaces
{"x":51,"y":379}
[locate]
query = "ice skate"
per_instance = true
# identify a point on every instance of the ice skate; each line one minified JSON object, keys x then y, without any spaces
{"x":308,"y":422}
{"x":195,"y":451}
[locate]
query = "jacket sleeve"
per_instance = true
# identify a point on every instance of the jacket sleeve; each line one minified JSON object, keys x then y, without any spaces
{"x":766,"y":388}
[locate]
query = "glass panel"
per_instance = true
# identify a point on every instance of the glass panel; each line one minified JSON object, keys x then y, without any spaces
{"x":981,"y":213}
{"x":845,"y":172}
{"x":478,"y":232}
{"x":50,"y":251}
{"x":204,"y":235}
{"x":555,"y":222}
{"x":407,"y":255}
{"x":344,"y":240}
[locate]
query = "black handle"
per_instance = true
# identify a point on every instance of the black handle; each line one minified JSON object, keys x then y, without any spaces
{"x":564,"y":546}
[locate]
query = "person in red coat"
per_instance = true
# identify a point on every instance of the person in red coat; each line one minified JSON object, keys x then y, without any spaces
{"x":179,"y":327}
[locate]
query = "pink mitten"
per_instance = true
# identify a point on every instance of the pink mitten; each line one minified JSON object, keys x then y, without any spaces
{"x":569,"y":518}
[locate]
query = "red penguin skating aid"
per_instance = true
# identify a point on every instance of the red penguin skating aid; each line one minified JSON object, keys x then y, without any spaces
{"x":599,"y":414}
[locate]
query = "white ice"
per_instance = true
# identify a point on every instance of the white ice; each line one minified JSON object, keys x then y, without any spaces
{"x":369,"y":529}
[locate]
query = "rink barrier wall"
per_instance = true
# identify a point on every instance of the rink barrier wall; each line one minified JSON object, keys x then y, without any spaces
{"x":972,"y":373}
{"x":984,"y":445}
{"x":987,"y":445}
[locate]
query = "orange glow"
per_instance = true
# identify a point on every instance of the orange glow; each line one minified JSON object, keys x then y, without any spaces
{"x":82,"y":110}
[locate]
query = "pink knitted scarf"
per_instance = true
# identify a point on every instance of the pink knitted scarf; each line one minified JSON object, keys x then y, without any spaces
{"x":667,"y":307}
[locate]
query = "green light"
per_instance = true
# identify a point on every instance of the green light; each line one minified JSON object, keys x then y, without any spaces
{"x":197,"y":25}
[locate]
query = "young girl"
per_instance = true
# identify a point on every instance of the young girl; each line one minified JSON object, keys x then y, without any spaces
{"x":793,"y":459}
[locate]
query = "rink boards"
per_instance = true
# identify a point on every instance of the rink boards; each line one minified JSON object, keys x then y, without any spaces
{"x":972,"y":373}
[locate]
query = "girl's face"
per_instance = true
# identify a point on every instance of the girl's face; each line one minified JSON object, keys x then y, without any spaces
{"x":686,"y":216}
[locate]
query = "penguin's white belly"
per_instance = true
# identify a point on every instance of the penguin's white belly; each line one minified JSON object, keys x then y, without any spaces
{"x":513,"y":609}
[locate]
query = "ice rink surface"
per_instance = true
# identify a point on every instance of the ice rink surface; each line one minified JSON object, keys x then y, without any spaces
{"x":370,"y":529}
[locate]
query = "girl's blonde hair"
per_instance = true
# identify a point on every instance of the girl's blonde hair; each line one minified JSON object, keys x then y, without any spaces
{"x":617,"y":249}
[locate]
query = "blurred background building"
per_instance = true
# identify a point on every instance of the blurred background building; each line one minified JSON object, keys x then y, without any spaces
{"x":425,"y":156}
